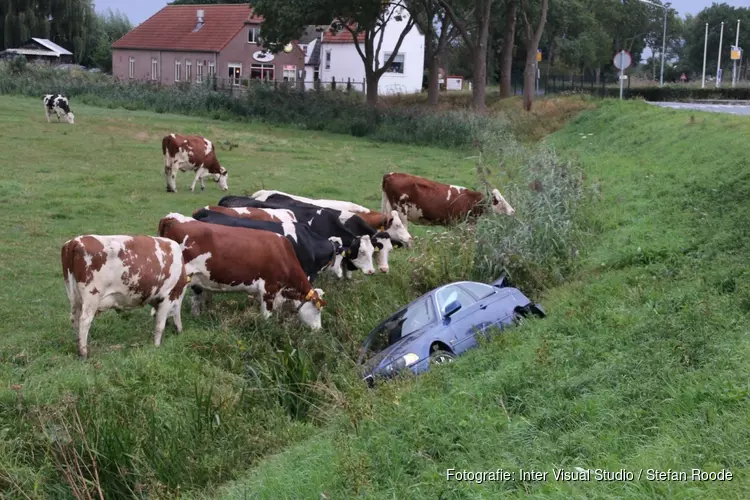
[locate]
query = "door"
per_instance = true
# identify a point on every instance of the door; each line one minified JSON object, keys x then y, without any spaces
{"x":461,"y":322}
{"x":235,"y":74}
{"x":489,"y":311}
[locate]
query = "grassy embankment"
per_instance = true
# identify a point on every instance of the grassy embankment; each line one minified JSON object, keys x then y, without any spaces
{"x":641,"y":364}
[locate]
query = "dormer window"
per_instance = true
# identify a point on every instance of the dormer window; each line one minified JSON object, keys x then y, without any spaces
{"x":253,"y":35}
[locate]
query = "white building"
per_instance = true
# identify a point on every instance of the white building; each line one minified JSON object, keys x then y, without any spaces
{"x":338,"y":58}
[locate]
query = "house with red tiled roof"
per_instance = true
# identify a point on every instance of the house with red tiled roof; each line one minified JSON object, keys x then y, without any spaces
{"x":190,"y":43}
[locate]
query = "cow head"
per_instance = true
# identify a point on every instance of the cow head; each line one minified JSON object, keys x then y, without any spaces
{"x":70,"y":118}
{"x":383,"y":246}
{"x":395,"y":228}
{"x":359,"y":255}
{"x":500,"y":205}
{"x":311,"y":308}
{"x":222,"y":179}
{"x":338,"y":248}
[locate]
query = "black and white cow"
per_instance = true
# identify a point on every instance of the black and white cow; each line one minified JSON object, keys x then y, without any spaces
{"x":58,"y":104}
{"x":314,"y":252}
{"x":322,"y":221}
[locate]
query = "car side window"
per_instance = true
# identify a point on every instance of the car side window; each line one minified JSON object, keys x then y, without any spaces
{"x":478,"y":290}
{"x":453,"y":292}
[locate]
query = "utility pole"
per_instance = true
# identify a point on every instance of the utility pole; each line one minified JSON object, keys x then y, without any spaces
{"x":705,"y":48}
{"x":718,"y":62}
{"x":734,"y":62}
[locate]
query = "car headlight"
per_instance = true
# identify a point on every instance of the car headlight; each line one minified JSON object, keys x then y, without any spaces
{"x":404,"y":361}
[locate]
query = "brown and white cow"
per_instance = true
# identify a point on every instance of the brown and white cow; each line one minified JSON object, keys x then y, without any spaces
{"x":428,"y":202}
{"x":264,"y":214}
{"x":191,"y":153}
{"x":229,"y":259}
{"x":122,"y":272}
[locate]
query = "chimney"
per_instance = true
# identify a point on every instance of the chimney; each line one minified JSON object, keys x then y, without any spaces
{"x":201,"y":13}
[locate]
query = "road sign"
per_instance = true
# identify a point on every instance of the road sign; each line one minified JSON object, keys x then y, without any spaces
{"x":624,"y":57}
{"x":736,"y":54}
{"x":539,"y":55}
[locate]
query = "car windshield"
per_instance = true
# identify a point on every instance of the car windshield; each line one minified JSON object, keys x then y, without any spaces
{"x":398,"y":326}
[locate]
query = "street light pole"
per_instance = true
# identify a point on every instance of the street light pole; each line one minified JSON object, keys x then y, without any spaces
{"x":663,"y":40}
{"x":705,"y":48}
{"x":734,"y":62}
{"x":718,"y":62}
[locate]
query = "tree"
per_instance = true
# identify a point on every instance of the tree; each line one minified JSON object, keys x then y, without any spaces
{"x":509,"y":40}
{"x":531,"y":37}
{"x":476,"y":43}
{"x":364,"y":20}
{"x":695,"y":30}
{"x":438,"y":33}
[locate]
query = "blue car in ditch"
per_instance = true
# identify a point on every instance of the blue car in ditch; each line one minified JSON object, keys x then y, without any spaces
{"x":441,"y":325}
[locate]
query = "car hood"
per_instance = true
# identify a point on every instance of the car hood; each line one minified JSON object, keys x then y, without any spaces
{"x":393,"y":352}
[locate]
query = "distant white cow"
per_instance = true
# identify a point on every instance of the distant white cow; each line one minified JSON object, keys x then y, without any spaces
{"x":123,"y":272}
{"x":58,"y":104}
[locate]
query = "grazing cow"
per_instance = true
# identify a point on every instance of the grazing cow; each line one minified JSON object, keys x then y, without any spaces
{"x":378,"y":221}
{"x":58,"y":104}
{"x":325,"y":223}
{"x":314,"y":252}
{"x":122,"y":272}
{"x":191,"y":153}
{"x":227,"y":259}
{"x":346,"y":206}
{"x":266,"y":214}
{"x":428,"y":202}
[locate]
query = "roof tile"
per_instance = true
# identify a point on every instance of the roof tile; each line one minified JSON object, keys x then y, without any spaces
{"x":172,"y":28}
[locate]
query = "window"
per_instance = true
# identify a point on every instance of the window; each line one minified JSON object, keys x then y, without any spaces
{"x":478,"y":290}
{"x":328,"y":59}
{"x":397,"y":66}
{"x":262,"y":72}
{"x":304,"y":48}
{"x":290,"y":73}
{"x":154,"y":68}
{"x":199,"y":72}
{"x":402,"y":323}
{"x":131,"y":67}
{"x":235,"y":73}
{"x":177,"y":71}
{"x":211,"y":69}
{"x":188,"y":70}
{"x":253,"y":35}
{"x":450,"y":293}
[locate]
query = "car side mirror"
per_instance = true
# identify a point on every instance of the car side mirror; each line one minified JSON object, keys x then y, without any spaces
{"x":451,"y":309}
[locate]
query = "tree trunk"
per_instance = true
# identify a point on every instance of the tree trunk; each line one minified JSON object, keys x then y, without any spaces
{"x":509,"y":40}
{"x":372,"y":89}
{"x":433,"y":82}
{"x":529,"y":78}
{"x":598,"y":75}
{"x":479,"y":89}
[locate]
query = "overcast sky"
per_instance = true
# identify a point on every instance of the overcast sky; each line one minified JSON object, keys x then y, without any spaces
{"x":140,"y":10}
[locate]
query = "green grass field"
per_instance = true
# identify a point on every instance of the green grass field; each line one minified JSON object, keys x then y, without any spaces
{"x":641,"y":364}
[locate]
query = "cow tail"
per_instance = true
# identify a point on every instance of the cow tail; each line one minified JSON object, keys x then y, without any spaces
{"x":70,"y":251}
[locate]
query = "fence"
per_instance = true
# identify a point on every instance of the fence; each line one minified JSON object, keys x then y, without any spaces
{"x":241,"y":85}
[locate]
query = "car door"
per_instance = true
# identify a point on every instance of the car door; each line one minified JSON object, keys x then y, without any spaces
{"x":491,"y":310}
{"x":461,"y":323}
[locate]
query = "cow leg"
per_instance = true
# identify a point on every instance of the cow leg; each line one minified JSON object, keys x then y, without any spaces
{"x":170,"y":174}
{"x":176,"y":315}
{"x":198,"y":175}
{"x":75,"y":315}
{"x":162,"y":312}
{"x":46,"y":112}
{"x":88,"y":312}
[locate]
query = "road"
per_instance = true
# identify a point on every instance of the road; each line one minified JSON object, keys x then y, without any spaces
{"x":734,"y":109}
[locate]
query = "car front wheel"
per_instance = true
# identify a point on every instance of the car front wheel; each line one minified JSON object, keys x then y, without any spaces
{"x":438,"y":357}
